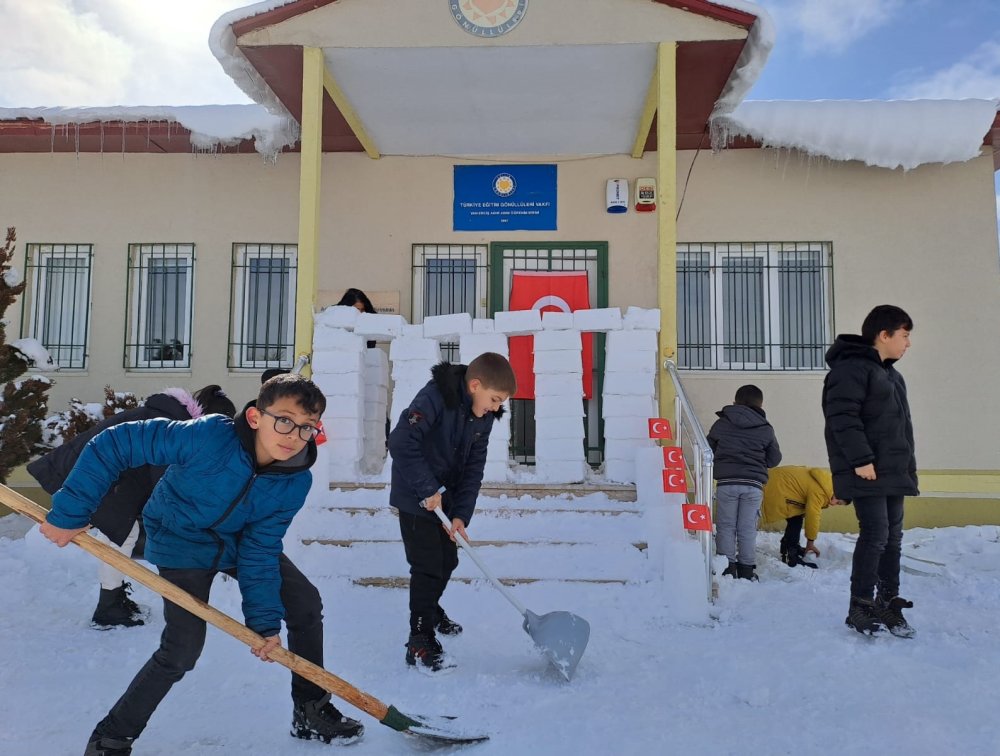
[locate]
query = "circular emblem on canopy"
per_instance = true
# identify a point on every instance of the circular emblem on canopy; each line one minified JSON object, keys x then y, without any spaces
{"x":488,"y":18}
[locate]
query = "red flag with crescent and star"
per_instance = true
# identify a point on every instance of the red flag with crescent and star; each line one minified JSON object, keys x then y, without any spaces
{"x":673,"y":458}
{"x":545,"y":291}
{"x":674,"y":481}
{"x":697,"y":517}
{"x":659,"y":427}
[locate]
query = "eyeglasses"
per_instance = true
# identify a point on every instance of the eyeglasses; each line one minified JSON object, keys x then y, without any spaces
{"x":285,"y":425}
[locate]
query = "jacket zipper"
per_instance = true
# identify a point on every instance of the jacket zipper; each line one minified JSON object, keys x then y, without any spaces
{"x":220,"y":546}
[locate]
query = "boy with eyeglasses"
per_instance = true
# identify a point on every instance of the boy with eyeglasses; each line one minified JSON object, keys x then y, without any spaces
{"x":223,"y":505}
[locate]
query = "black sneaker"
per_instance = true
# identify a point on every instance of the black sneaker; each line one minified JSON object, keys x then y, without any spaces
{"x":794,"y":556}
{"x":890,"y":612}
{"x":100,"y":745}
{"x":863,"y":617}
{"x":746,"y":572}
{"x":425,"y":653}
{"x":446,"y":625}
{"x":320,"y":720}
{"x":731,"y":570}
{"x":116,"y":609}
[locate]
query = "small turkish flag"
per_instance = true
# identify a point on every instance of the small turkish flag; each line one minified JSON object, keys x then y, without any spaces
{"x":673,"y":458}
{"x":321,"y":436}
{"x":674,"y":481}
{"x":659,"y":427}
{"x":697,"y":517}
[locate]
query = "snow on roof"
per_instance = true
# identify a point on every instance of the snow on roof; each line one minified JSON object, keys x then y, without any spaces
{"x":884,"y":133}
{"x":210,"y":125}
{"x":760,"y":42}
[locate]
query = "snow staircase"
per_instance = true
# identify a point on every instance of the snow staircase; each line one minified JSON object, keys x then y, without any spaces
{"x":525,"y":534}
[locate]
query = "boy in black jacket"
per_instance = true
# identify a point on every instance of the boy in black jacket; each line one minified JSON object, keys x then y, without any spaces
{"x":745,"y":448}
{"x":869,"y":440}
{"x":440,"y":443}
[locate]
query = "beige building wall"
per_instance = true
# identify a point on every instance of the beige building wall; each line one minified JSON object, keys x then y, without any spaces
{"x":925,"y":240}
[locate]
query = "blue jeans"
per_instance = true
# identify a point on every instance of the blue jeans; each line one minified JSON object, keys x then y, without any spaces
{"x":880,"y":539}
{"x":736,"y":511}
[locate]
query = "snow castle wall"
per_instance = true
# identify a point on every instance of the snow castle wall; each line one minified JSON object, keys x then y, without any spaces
{"x":356,"y":382}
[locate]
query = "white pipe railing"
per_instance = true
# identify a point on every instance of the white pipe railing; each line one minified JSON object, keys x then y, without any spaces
{"x":699,"y":462}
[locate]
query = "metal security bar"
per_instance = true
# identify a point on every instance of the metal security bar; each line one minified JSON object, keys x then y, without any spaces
{"x":762,"y":306}
{"x":698,"y":459}
{"x":262,"y":312}
{"x":159,"y":307}
{"x":447,"y":279}
{"x":57,"y":300}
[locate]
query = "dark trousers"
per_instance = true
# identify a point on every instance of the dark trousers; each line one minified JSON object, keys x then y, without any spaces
{"x":184,"y":637}
{"x":880,"y":538}
{"x":432,"y":557}
{"x":793,"y":531}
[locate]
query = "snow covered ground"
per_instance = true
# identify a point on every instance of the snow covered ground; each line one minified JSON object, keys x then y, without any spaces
{"x":775,"y":672}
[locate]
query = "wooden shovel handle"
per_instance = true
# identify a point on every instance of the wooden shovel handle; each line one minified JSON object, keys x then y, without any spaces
{"x":211,"y":615}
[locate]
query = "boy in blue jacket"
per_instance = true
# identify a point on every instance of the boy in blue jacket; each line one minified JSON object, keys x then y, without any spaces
{"x":439,"y":443}
{"x":223,"y":505}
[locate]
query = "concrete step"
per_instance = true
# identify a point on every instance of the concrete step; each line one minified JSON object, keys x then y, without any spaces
{"x":613,"y":491}
{"x":348,"y":543}
{"x":403,"y":582}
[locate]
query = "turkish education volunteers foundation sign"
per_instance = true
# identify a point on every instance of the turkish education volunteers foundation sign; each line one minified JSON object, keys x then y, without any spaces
{"x":505,"y":198}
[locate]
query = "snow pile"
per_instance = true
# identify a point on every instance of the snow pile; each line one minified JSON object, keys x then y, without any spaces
{"x":884,"y":133}
{"x":760,"y":42}
{"x":35,"y":354}
{"x":12,"y":277}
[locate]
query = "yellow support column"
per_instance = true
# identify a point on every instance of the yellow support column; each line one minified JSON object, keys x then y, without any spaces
{"x":666,"y":179}
{"x":310,"y":170}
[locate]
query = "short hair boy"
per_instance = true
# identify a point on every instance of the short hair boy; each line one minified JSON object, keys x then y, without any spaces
{"x":439,"y":443}
{"x":869,"y":440}
{"x":223,"y":505}
{"x":745,"y":447}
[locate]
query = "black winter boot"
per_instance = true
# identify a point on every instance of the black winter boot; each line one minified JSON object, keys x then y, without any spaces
{"x":100,"y":745}
{"x":116,"y":609}
{"x":426,"y":654}
{"x":863,"y":617}
{"x":746,"y":572}
{"x":889,"y":610}
{"x":321,"y":720}
{"x":731,"y":570}
{"x":446,"y":625}
{"x":794,"y":555}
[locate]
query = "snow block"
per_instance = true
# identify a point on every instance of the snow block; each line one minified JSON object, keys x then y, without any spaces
{"x":638,"y":318}
{"x":337,"y":316}
{"x":337,"y":362}
{"x":625,"y":448}
{"x":495,"y":472}
{"x":619,"y":470}
{"x":625,"y":384}
{"x":603,"y":319}
{"x":376,"y":393}
{"x":558,"y":406}
{"x":413,"y":330}
{"x":352,"y":407}
{"x":627,"y":427}
{"x":447,"y":327}
{"x":620,"y":342}
{"x":339,"y":384}
{"x":556,"y":384}
{"x":557,"y":321}
{"x":548,"y":341}
{"x":376,"y":358}
{"x":644,"y":362}
{"x":483,"y":325}
{"x":348,"y":449}
{"x":629,"y":406}
{"x":561,"y":472}
{"x":403,"y":349}
{"x":413,"y":373}
{"x":337,"y":339}
{"x":560,"y":427}
{"x":379,"y":325}
{"x":518,"y":322}
{"x":561,"y":362}
{"x":558,"y":450}
{"x":472,"y":345}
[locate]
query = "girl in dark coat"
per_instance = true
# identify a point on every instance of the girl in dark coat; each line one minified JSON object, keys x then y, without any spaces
{"x":117,"y":520}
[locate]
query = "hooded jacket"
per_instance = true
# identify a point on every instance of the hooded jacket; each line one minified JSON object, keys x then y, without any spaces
{"x":744,"y":446}
{"x":867,"y":422}
{"x":438,"y":442}
{"x":792,"y":491}
{"x":123,"y":504}
{"x":213,"y":509}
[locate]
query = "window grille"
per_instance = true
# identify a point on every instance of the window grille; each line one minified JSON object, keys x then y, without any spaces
{"x":262,"y":315}
{"x":447,"y":279}
{"x":57,"y":300}
{"x":762,"y":306}
{"x":159,"y":306}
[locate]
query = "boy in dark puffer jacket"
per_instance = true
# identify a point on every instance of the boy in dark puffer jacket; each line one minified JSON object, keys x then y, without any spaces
{"x":869,"y":440}
{"x":439,"y":443}
{"x":745,"y":449}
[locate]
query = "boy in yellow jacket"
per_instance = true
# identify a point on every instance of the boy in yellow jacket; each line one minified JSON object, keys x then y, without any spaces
{"x":798,"y":495}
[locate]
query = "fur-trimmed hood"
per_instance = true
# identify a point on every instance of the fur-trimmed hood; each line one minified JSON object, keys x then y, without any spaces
{"x":450,"y":381}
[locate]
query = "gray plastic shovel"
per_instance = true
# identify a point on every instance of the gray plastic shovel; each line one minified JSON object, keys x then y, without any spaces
{"x":562,"y":636}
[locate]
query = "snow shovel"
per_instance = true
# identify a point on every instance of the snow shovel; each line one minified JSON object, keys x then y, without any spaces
{"x":562,"y":636}
{"x":429,"y":729}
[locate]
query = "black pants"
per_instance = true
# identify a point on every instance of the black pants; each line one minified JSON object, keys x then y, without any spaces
{"x":880,"y":538}
{"x":184,"y":637}
{"x":793,"y":531}
{"x":432,"y":556}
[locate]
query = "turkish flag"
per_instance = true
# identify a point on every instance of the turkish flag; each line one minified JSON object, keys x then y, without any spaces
{"x":545,"y":291}
{"x":697,"y":517}
{"x":673,"y":458}
{"x":659,"y":427}
{"x":321,"y":436}
{"x":674,"y":481}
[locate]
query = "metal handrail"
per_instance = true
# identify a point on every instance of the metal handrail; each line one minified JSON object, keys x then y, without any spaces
{"x":699,"y":464}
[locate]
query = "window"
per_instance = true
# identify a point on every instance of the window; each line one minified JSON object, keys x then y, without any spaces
{"x":449,"y":278}
{"x":263,"y":306}
{"x":57,"y":300}
{"x":754,"y":305}
{"x":160,"y":304}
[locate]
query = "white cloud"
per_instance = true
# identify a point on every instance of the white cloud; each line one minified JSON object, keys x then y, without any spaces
{"x":112,"y":52}
{"x":976,"y":75}
{"x":831,"y":25}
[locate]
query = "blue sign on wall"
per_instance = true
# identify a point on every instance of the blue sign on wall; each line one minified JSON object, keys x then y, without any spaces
{"x":505,"y":198}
